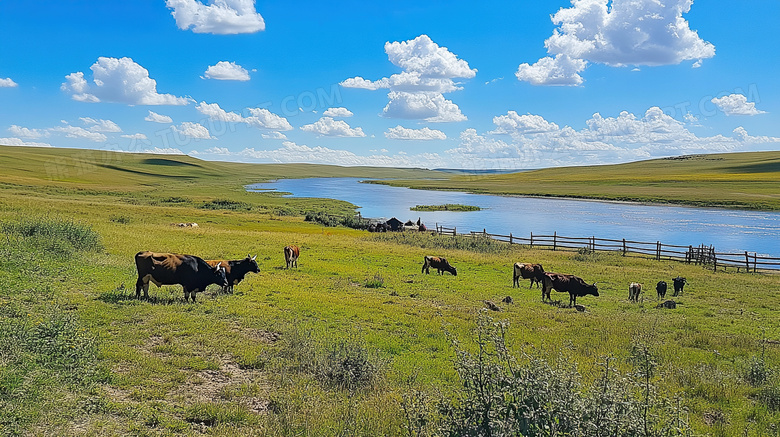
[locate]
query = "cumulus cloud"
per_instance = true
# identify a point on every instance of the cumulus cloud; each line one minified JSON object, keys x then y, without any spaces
{"x":417,"y":92}
{"x":513,"y":123}
{"x":402,"y":133}
{"x":431,"y":107}
{"x":736,"y":104}
{"x":328,"y":127}
{"x":224,"y":70}
{"x":259,"y":117}
{"x":192,"y":130}
{"x":158,"y":118}
{"x":22,"y":143}
{"x":24,"y":132}
{"x":337,"y":112}
{"x":138,"y":136}
{"x":274,"y":135}
{"x":118,"y":80}
{"x":162,"y":151}
{"x":7,"y":83}
{"x":100,"y":125}
{"x":79,"y":132}
{"x":616,"y":33}
{"x":218,"y":17}
{"x":560,"y":70}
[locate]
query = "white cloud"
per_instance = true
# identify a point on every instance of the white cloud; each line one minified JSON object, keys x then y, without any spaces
{"x":218,"y":17}
{"x":100,"y":125}
{"x":417,"y":92}
{"x":8,"y":83}
{"x":560,"y":70}
{"x":291,"y":152}
{"x":623,"y":32}
{"x":137,"y":136}
{"x":192,"y":130}
{"x":402,"y":133}
{"x":19,"y":142}
{"x":431,"y":107}
{"x":120,"y":81}
{"x":274,"y":135}
{"x":158,"y":118}
{"x":224,"y":70}
{"x":259,"y":117}
{"x":328,"y":127}
{"x":79,"y":132}
{"x":337,"y":112}
{"x":512,"y":123}
{"x":736,"y":104}
{"x":162,"y":151}
{"x":359,"y":82}
{"x":24,"y":132}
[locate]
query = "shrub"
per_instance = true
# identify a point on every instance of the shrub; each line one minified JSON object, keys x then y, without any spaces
{"x":349,"y":365}
{"x":475,"y":243}
{"x":226,"y":204}
{"x":57,"y":235}
{"x":376,"y":282}
{"x":324,"y":219}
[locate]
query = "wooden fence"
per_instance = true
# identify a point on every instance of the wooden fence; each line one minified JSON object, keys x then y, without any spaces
{"x":703,"y":255}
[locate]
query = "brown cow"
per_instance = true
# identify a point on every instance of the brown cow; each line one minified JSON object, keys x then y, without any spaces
{"x":235,"y":270}
{"x":634,"y":290}
{"x":439,"y":264}
{"x":574,"y":285}
{"x":291,"y":253}
{"x":534,"y":272}
{"x":191,"y":272}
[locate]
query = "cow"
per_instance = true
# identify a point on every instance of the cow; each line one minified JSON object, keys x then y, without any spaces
{"x":191,"y":272}
{"x":439,"y":264}
{"x":634,"y":290}
{"x":574,"y":285}
{"x":235,"y":270}
{"x":291,"y":254}
{"x":660,"y":288}
{"x":679,"y":283}
{"x":534,"y":272}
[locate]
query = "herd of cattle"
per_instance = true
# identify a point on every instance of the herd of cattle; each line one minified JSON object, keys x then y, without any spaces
{"x":194,"y":274}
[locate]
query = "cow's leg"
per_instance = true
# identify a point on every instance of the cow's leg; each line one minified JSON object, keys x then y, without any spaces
{"x":531,"y":284}
{"x":186,"y":295}
{"x":515,"y":281}
{"x":139,"y":284}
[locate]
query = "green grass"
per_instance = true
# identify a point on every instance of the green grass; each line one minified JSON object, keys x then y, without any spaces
{"x":355,"y":341}
{"x":446,"y":207}
{"x":734,"y":180}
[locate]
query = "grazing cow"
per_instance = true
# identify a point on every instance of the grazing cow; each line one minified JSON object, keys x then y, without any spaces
{"x":679,"y":283}
{"x":534,"y":272}
{"x":439,"y":264}
{"x":191,"y":272}
{"x":235,"y":270}
{"x":291,"y":253}
{"x":574,"y":285}
{"x":634,"y":290}
{"x":660,"y":288}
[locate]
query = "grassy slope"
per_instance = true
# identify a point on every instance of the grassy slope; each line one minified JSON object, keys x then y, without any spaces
{"x":164,"y":354}
{"x":736,"y":180}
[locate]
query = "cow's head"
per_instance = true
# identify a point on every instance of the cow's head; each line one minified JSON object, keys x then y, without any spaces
{"x":680,"y":281}
{"x":250,"y":261}
{"x":220,"y":278}
{"x":453,"y":270}
{"x":592,"y":289}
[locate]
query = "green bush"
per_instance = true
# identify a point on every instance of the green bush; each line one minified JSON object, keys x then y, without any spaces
{"x":226,"y":204}
{"x":54,"y":233}
{"x":475,"y":243}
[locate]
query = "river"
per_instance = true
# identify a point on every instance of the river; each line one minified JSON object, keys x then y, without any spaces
{"x":727,"y":230}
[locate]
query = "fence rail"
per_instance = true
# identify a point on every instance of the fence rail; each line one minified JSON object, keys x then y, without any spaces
{"x":703,"y":255}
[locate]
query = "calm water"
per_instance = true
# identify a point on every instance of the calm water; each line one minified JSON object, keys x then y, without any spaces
{"x":728,"y":231}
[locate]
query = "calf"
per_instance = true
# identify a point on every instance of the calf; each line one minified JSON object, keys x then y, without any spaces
{"x":235,"y":270}
{"x":439,"y":264}
{"x":574,"y":285}
{"x":634,"y":290}
{"x":534,"y":272}
{"x":291,"y":253}
{"x":191,"y":272}
{"x":679,"y":283}
{"x":660,"y":288}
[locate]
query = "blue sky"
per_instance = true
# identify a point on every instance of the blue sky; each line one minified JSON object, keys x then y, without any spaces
{"x":505,"y":85}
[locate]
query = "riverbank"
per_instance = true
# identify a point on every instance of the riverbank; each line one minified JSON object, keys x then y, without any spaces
{"x":746,"y":181}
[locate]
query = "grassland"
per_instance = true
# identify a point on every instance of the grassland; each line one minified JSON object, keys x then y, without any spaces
{"x":356,"y":341}
{"x":736,"y":180}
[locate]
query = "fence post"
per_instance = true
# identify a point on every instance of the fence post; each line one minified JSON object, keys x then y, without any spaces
{"x":658,"y":251}
{"x":484,"y":232}
{"x":747,"y":261}
{"x":510,"y":238}
{"x":624,"y":247}
{"x":593,"y":243}
{"x":555,"y":239}
{"x":754,"y":262}
{"x":532,"y":239}
{"x":455,"y":231}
